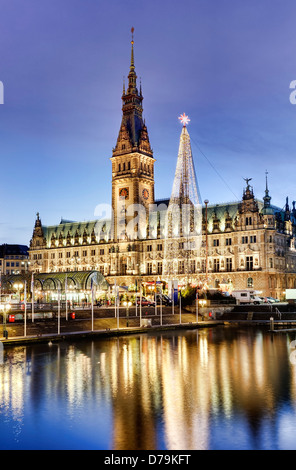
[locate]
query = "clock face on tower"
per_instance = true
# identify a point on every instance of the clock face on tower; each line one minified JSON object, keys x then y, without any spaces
{"x":145,"y":193}
{"x":123,"y":192}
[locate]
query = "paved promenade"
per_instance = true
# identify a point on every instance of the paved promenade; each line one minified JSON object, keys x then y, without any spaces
{"x":102,"y":324}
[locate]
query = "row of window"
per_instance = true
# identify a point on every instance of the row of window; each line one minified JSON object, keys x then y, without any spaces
{"x":214,"y":265}
{"x":228,"y":241}
{"x":250,"y":282}
{"x":216,"y":242}
{"x":12,"y":264}
{"x":159,"y":247}
{"x":93,"y":252}
{"x":251,"y":239}
{"x":126,"y":166}
{"x":14,"y":257}
{"x":75,"y":254}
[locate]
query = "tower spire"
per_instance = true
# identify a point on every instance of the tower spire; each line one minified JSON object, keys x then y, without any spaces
{"x":132,"y":125}
{"x":132,"y":160}
{"x":266,"y":198}
{"x":132,"y":51}
{"x":132,"y":77}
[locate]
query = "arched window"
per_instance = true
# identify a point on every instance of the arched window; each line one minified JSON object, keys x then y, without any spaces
{"x":250,"y":282}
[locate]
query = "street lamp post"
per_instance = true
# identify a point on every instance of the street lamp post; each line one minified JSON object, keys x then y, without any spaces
{"x":18,"y":287}
{"x":5,"y":309}
{"x":180,"y":305}
{"x":203,"y":304}
{"x":140,"y":272}
{"x":25,"y":307}
{"x":127,"y":305}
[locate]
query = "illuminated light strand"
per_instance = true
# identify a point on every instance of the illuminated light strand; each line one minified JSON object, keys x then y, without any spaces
{"x":184,"y":215}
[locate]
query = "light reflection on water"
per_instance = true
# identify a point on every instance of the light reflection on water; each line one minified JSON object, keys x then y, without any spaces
{"x":219,"y":388}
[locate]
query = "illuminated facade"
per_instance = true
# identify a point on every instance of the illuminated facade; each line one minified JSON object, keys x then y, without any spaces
{"x":244,"y":244}
{"x":14,"y":259}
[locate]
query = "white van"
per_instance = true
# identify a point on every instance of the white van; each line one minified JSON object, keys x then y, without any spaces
{"x":246,"y":296}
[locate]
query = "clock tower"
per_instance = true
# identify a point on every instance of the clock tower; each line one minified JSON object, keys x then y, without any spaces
{"x":132,"y":160}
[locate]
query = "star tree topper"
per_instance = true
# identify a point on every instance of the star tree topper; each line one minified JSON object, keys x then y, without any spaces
{"x":184,"y":119}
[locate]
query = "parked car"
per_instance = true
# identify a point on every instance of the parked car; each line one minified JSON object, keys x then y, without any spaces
{"x":164,"y":299}
{"x":270,"y":300}
{"x":145,"y":302}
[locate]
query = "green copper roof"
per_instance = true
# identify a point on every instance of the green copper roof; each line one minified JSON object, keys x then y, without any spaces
{"x":53,"y":281}
{"x":101,"y":229}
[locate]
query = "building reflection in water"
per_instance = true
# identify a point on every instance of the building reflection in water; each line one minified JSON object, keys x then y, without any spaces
{"x":212,"y":388}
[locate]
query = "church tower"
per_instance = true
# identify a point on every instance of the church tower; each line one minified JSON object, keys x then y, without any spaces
{"x":132,"y":158}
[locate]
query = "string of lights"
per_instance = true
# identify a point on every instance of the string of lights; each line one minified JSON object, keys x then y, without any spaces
{"x":184,"y":215}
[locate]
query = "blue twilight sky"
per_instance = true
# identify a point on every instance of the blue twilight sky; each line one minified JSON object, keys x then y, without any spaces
{"x":228,"y":64}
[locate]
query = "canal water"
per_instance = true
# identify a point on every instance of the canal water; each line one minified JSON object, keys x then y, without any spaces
{"x":216,"y":388}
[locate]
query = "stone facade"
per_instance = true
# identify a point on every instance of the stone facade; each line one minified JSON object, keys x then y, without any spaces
{"x":14,"y":259}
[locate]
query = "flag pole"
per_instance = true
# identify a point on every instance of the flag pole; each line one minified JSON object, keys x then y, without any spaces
{"x":180,"y":308}
{"x":32,"y":293}
{"x":92,"y":306}
{"x":141,"y":303}
{"x":115,"y":313}
{"x":117,"y":305}
{"x":59,"y":309}
{"x":161,"y":307}
{"x":136,"y":298}
{"x":25,"y":313}
{"x":66,"y":289}
{"x":155,"y":298}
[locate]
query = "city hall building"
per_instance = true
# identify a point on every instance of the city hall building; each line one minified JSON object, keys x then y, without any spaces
{"x":244,"y":244}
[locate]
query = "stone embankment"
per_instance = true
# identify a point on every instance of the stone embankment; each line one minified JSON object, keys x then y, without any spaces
{"x":103,"y":324}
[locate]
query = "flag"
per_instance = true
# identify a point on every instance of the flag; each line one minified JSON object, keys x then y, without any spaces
{"x":32,"y":283}
{"x":92,"y":290}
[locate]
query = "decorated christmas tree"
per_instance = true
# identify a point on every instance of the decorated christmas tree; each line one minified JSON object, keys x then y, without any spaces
{"x":184,"y":215}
